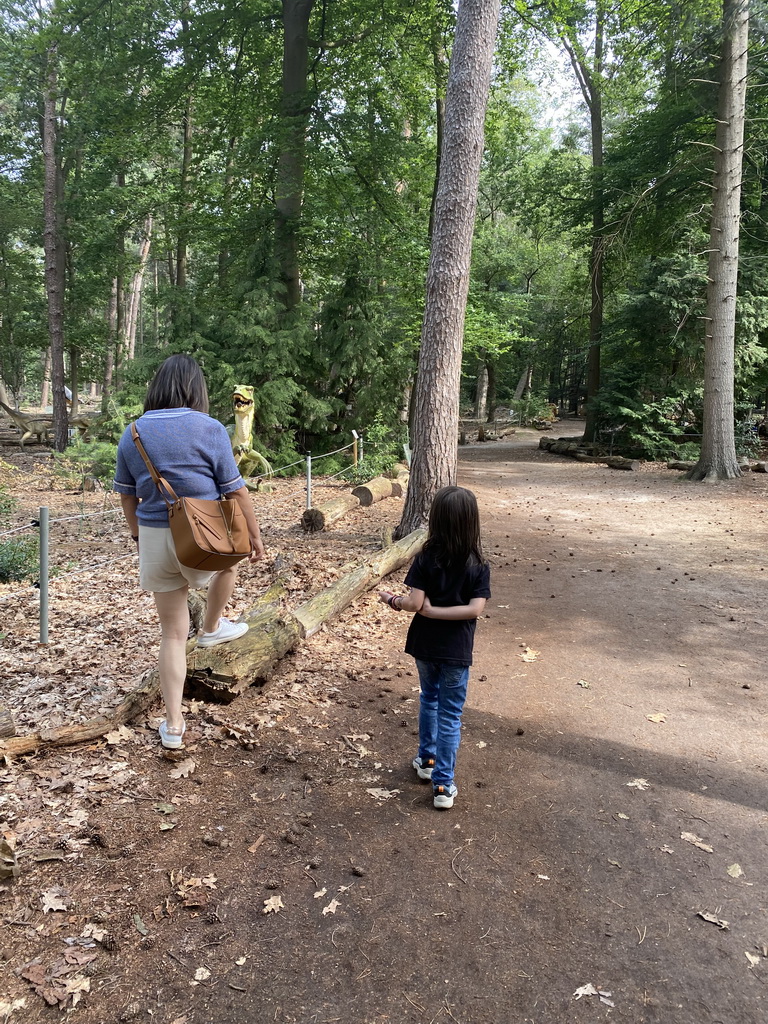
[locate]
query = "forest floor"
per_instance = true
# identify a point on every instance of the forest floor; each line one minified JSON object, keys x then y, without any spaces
{"x":607,"y":855}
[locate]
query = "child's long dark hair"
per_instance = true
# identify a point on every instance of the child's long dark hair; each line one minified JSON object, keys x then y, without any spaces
{"x":454,"y":528}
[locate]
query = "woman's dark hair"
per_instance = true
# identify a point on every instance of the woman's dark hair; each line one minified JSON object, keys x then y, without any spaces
{"x":454,"y":528}
{"x":178,"y":384}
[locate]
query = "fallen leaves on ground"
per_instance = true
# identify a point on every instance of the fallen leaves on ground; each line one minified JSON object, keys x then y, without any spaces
{"x":273,"y":905}
{"x":641,"y":784}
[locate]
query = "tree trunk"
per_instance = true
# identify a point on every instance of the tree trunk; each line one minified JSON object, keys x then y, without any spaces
{"x":440,"y":63}
{"x":492,"y":400}
{"x":436,"y":420}
{"x":718,"y":451}
{"x":295,"y":107}
{"x":54,"y":250}
{"x":109,"y":361}
{"x":182,"y":238}
{"x":134,"y":305}
{"x":481,"y":389}
{"x":45,"y":391}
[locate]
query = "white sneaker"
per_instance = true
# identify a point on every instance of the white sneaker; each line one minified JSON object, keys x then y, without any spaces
{"x":227,"y":631}
{"x":444,"y":796}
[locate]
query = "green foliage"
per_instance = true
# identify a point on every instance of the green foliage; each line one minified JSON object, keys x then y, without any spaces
{"x":647,"y":430}
{"x":535,"y":407}
{"x":87,"y":459}
{"x":19,"y":559}
{"x":19,"y":555}
{"x":382,"y":450}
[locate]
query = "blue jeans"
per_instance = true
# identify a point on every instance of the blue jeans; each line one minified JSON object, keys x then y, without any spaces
{"x":441,"y":702}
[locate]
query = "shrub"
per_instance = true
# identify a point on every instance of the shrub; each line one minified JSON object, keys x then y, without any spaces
{"x":19,"y":559}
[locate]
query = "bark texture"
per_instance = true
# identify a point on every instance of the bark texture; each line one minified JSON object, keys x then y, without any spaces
{"x":53,"y":247}
{"x":436,"y":405}
{"x":718,"y":451}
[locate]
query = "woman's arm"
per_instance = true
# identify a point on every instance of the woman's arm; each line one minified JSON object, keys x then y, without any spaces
{"x":455,"y":612}
{"x":413,"y":602}
{"x":130,"y":503}
{"x":243,"y":499}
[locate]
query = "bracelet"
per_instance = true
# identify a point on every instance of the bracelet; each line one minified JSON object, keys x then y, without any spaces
{"x":135,"y":538}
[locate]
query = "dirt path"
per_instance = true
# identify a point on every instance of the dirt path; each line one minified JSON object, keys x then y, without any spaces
{"x":640,"y":718}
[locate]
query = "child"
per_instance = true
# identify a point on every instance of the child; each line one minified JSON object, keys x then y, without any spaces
{"x":450,"y":583}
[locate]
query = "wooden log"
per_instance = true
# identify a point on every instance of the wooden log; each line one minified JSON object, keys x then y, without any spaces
{"x":681,"y":465}
{"x":758,"y":467}
{"x":320,"y":516}
{"x":221,"y":673}
{"x":329,"y":602}
{"x":376,"y":489}
{"x":400,"y":484}
{"x":7,"y":724}
{"x":135,"y":703}
{"x":230,"y":668}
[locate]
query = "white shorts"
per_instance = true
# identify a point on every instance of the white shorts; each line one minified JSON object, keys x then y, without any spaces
{"x":159,"y":568}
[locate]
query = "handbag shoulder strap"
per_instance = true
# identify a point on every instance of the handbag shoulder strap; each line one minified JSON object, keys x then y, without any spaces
{"x":161,"y":483}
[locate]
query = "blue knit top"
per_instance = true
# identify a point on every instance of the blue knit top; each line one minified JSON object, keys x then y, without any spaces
{"x":191,"y":450}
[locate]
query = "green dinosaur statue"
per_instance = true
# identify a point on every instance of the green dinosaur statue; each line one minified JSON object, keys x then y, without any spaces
{"x":247,"y":458}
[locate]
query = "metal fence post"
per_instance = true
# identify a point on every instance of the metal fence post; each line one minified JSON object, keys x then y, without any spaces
{"x":43,"y":584}
{"x":309,"y":481}
{"x":361,"y":448}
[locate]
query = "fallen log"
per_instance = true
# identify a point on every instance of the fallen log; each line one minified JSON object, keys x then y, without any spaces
{"x":681,"y":465}
{"x":320,"y":516}
{"x":612,"y":461}
{"x":135,"y":703}
{"x":376,"y":489}
{"x":221,"y":673}
{"x":329,"y":602}
{"x":216,"y":672}
{"x":585,"y":453}
{"x":400,"y":484}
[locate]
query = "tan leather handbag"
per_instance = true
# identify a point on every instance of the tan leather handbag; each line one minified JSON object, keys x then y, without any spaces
{"x":208,"y":535}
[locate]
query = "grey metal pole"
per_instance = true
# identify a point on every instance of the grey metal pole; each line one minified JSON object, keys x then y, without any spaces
{"x":309,"y":481}
{"x":43,"y":574}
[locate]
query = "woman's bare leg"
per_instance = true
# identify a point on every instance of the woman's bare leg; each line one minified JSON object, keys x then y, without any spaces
{"x":174,"y":624}
{"x":219,"y":593}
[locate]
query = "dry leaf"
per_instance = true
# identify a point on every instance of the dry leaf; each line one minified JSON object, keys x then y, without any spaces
{"x":735,"y":871}
{"x":624,"y":817}
{"x":706,"y":916}
{"x":529,"y":654}
{"x":641,"y":784}
{"x":382,"y":794}
{"x":119,"y":735}
{"x":666,"y":849}
{"x":695,"y":840}
{"x":584,"y":684}
{"x":319,"y":893}
{"x":273,"y":905}
{"x":241,"y":960}
{"x":54,"y":899}
{"x":658,"y":718}
{"x":7,"y":1007}
{"x":202,"y":974}
{"x":183,"y":769}
{"x":753,"y":960}
{"x":139,"y":925}
{"x":331,"y":908}
{"x":585,"y":990}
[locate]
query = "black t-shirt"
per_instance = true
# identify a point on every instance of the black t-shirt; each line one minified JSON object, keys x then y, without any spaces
{"x":448,"y":642}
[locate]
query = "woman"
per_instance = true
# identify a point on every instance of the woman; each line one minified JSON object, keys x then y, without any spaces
{"x":193,"y":452}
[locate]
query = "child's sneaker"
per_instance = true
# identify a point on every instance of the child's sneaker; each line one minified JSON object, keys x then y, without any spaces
{"x":424,"y":766}
{"x":444,"y":797}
